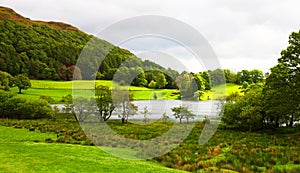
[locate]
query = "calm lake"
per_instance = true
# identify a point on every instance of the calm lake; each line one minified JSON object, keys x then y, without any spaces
{"x":157,"y":108}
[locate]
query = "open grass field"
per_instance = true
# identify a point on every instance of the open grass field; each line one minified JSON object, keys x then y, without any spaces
{"x":57,"y":89}
{"x":219,"y":91}
{"x":24,"y":151}
{"x":227,"y":151}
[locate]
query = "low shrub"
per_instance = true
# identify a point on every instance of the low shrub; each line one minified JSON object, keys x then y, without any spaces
{"x":48,"y":99}
{"x":16,"y":107}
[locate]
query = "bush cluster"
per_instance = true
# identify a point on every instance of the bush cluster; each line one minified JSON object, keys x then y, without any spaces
{"x":13,"y":106}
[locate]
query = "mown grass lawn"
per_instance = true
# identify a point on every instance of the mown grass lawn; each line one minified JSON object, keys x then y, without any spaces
{"x":24,"y":151}
{"x":219,"y":91}
{"x":57,"y":89}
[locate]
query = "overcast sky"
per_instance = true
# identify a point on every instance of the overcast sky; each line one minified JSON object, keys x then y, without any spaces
{"x":243,"y":34}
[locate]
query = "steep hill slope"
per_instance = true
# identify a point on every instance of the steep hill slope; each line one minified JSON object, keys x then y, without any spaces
{"x":49,"y":50}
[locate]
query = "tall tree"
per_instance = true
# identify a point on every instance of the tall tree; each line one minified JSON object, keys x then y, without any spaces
{"x":123,"y":101}
{"x":22,"y":82}
{"x":187,"y":85}
{"x":104,"y":102}
{"x":282,"y":87}
{"x":161,"y":81}
{"x":217,"y":77}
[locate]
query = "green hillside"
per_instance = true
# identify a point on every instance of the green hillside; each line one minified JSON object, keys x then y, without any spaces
{"x":50,"y":50}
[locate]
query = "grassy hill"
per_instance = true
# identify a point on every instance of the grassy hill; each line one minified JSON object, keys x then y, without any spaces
{"x":23,"y":151}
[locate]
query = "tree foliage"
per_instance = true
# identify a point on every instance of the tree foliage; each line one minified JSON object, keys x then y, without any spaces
{"x":6,"y":81}
{"x":246,"y":112}
{"x":182,"y":112}
{"x":50,"y":53}
{"x":275,"y":103}
{"x":104,"y":102}
{"x":22,"y":82}
{"x":282,"y":89}
{"x":123,"y":100}
{"x":12,"y":106}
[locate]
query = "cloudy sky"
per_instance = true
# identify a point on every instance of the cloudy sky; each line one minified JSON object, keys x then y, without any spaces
{"x":243,"y":34}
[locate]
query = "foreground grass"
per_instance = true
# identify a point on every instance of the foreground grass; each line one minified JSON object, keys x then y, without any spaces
{"x":228,"y":150}
{"x":23,"y":151}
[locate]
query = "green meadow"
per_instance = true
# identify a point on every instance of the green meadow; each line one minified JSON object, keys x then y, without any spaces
{"x":219,"y":91}
{"x":57,"y":89}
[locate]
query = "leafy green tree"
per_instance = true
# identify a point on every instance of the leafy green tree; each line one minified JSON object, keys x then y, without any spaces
{"x":247,"y":112}
{"x":123,"y":100}
{"x":291,"y":58}
{"x":199,"y":81}
{"x":82,"y":108}
{"x":6,"y":81}
{"x":22,"y":82}
{"x":206,"y":78}
{"x":161,"y":81}
{"x":182,"y":112}
{"x":187,"y":85}
{"x":229,"y":76}
{"x":279,"y":101}
{"x":282,"y":88}
{"x":243,"y":76}
{"x":140,"y":79}
{"x":104,"y":102}
{"x":217,"y":77}
{"x":256,"y":76}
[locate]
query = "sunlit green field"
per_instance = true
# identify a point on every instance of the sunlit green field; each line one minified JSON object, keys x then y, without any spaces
{"x":57,"y":89}
{"x":219,"y":91}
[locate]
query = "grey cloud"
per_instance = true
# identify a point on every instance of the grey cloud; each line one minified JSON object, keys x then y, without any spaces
{"x":239,"y":31}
